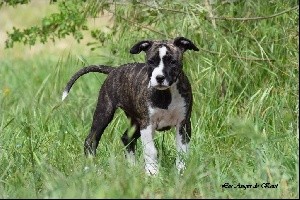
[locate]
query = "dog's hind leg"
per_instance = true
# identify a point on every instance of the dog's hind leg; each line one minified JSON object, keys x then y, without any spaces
{"x":103,"y":114}
{"x":130,"y":141}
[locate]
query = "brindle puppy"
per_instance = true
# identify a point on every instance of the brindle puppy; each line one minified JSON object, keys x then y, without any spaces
{"x":155,"y":95}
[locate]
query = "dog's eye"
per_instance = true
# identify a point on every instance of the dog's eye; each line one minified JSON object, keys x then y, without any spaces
{"x":173,"y":62}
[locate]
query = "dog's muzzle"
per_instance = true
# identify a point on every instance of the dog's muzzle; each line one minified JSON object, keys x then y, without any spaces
{"x":161,"y":82}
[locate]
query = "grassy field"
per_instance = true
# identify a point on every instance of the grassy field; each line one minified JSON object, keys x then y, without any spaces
{"x":244,"y":120}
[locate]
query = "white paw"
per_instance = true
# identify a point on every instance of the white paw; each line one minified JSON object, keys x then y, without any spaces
{"x":151,"y":169}
{"x":130,"y":157}
{"x":180,"y":166}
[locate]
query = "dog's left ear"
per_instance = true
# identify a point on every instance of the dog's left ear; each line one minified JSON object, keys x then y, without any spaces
{"x":141,"y":46}
{"x":185,"y":44}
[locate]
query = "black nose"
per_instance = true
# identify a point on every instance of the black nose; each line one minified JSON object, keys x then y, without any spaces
{"x":160,"y":78}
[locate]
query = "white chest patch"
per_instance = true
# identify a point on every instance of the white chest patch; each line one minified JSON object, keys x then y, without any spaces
{"x":172,"y":116}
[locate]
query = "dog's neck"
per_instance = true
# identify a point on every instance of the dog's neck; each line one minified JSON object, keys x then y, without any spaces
{"x":162,"y":98}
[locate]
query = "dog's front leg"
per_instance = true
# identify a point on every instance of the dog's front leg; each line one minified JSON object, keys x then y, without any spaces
{"x":183,"y":134}
{"x":150,"y":152}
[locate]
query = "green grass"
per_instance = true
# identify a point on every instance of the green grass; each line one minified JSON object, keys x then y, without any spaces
{"x":244,"y":119}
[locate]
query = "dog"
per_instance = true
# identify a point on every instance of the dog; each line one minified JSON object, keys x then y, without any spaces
{"x":155,"y":95}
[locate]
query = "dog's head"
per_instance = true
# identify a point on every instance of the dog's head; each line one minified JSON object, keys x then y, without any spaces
{"x":163,"y":59}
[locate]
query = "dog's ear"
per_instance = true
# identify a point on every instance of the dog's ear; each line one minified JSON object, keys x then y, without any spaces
{"x":185,"y":44}
{"x":141,"y":46}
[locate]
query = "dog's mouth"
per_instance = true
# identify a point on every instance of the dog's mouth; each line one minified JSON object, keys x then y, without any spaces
{"x":161,"y":87}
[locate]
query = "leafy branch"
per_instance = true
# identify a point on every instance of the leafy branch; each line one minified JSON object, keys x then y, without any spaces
{"x":222,"y":17}
{"x":254,"y":18}
{"x":13,"y":2}
{"x":71,"y":19}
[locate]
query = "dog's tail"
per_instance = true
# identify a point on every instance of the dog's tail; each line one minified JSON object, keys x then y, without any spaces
{"x":92,"y":68}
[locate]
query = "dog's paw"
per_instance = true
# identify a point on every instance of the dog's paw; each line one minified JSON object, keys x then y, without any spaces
{"x":151,"y":169}
{"x":180,"y":165}
{"x":130,"y":156}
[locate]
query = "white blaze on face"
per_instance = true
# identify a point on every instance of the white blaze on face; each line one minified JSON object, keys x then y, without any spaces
{"x":159,"y":70}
